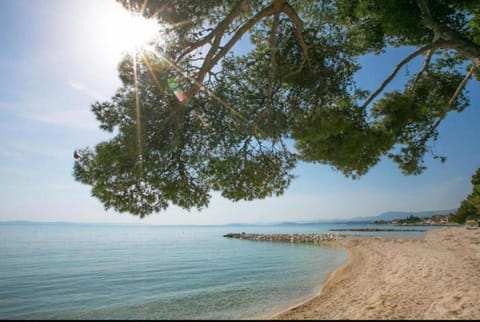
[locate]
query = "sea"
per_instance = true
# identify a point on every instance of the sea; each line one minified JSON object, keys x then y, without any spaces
{"x":123,"y":271}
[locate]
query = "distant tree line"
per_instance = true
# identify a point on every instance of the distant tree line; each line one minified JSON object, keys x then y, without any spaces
{"x":410,"y":220}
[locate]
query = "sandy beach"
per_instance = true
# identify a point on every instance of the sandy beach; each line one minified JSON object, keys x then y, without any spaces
{"x":432,"y":277}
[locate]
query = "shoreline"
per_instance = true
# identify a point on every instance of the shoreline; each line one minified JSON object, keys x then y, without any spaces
{"x":330,"y":276}
{"x":435,"y":276}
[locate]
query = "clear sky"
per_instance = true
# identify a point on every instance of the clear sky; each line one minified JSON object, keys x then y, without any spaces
{"x":58,"y":57}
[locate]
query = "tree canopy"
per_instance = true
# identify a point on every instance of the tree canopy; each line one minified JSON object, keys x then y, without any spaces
{"x":193,"y":116}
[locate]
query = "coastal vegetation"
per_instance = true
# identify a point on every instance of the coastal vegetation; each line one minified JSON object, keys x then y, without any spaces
{"x":469,"y":209}
{"x":195,"y":115}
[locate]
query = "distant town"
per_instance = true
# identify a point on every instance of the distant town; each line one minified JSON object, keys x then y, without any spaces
{"x":417,"y":221}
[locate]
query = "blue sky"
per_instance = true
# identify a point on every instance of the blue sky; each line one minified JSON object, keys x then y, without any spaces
{"x":55,"y":61}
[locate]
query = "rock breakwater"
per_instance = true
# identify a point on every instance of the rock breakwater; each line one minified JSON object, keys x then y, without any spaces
{"x":292,"y":238}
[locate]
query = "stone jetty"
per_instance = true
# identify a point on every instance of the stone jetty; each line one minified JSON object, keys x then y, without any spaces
{"x":292,"y":238}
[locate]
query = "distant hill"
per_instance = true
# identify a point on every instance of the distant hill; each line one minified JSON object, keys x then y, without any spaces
{"x":401,"y":215}
{"x":390,"y":215}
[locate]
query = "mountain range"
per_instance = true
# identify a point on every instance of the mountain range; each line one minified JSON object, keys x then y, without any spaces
{"x":401,"y":215}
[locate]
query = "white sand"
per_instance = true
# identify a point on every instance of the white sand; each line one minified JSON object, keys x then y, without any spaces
{"x":431,"y":277}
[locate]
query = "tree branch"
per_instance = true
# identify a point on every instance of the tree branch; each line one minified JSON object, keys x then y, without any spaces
{"x":460,"y":87}
{"x":395,"y":71}
{"x":273,"y":50}
{"x":292,"y":14}
{"x":455,"y":40}
{"x":212,"y":61}
{"x":452,"y":100}
{"x":219,"y":29}
{"x":425,"y":66}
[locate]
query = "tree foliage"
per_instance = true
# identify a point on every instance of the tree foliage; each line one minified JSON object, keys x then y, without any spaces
{"x":470,"y":207}
{"x":410,"y":220}
{"x":193,"y":116}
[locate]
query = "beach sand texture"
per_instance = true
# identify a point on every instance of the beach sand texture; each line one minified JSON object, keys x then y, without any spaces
{"x":432,"y":277}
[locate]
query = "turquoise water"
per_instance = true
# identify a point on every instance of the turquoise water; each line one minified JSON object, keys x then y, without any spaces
{"x":99,"y":271}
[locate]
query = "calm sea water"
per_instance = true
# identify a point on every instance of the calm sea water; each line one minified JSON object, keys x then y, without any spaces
{"x":100,"y":271}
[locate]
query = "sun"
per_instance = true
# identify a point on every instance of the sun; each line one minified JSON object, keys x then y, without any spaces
{"x":120,"y":31}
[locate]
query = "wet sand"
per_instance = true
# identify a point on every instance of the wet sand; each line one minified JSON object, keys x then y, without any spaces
{"x":432,"y":277}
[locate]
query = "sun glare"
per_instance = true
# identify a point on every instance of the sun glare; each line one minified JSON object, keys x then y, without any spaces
{"x":119,"y":30}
